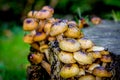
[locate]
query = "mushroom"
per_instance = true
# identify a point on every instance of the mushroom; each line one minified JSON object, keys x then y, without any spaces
{"x":32,"y":14}
{"x":85,"y":43}
{"x":30,"y":24}
{"x":44,"y":49}
{"x":81,"y":72}
{"x":58,"y":28}
{"x":69,"y":70}
{"x":35,"y":45}
{"x":96,"y":20}
{"x":28,"y":38}
{"x":50,"y":38}
{"x":93,"y":66}
{"x":96,"y":48}
{"x":106,"y":59}
{"x":66,"y":57}
{"x":46,"y":66}
{"x":69,"y":45}
{"x":39,"y":36}
{"x":48,"y":8}
{"x":43,"y":14}
{"x":83,"y":58}
{"x":47,"y":28}
{"x":87,"y":77}
{"x":96,"y":54}
{"x":72,"y":31}
{"x":104,"y":52}
{"x":101,"y":72}
{"x":36,"y":58}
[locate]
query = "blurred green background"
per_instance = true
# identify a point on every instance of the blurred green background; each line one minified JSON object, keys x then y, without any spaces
{"x":13,"y":51}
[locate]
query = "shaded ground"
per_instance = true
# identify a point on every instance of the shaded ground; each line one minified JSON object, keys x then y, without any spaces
{"x":106,"y":34}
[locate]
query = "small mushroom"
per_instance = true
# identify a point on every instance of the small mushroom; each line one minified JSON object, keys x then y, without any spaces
{"x":96,"y":54}
{"x":83,"y":58}
{"x":46,"y":66}
{"x":93,"y":66}
{"x":101,"y":72}
{"x":104,"y":52}
{"x":58,"y":28}
{"x":35,"y":45}
{"x":36,"y":58}
{"x":51,"y":38}
{"x":87,"y":77}
{"x":47,"y":28}
{"x":96,"y":48}
{"x":70,"y":45}
{"x":72,"y":32}
{"x":81,"y":72}
{"x":40,"y":36}
{"x":48,"y":8}
{"x":69,"y":70}
{"x":85,"y":43}
{"x":32,"y":14}
{"x":96,"y":20}
{"x":106,"y":59}
{"x":28,"y":39}
{"x":43,"y":14}
{"x":30,"y":24}
{"x":44,"y":49}
{"x":66,"y":57}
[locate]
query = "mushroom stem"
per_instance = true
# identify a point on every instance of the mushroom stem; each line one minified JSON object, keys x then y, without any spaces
{"x":47,"y":54}
{"x":104,"y":64}
{"x":41,"y":25}
{"x":46,"y":66}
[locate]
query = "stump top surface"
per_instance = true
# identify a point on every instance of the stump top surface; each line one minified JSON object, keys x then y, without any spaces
{"x":106,"y":34}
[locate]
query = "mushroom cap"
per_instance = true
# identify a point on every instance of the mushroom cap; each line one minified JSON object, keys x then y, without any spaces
{"x":81,"y":72}
{"x":72,"y":32}
{"x":32,"y":14}
{"x":36,"y":58}
{"x":96,"y":54}
{"x":106,"y":58}
{"x":96,"y":48}
{"x":30,"y":24}
{"x":47,"y":28}
{"x":58,"y":28}
{"x":104,"y":52}
{"x":69,"y":70}
{"x":72,"y":23}
{"x":66,"y":57}
{"x":43,"y":14}
{"x":69,"y":45}
{"x":43,"y":47}
{"x":28,"y":39}
{"x":48,"y":8}
{"x":39,"y":36}
{"x":96,"y":20}
{"x":83,"y":58}
{"x":35,"y":45}
{"x":87,"y":77}
{"x":85,"y":43}
{"x":101,"y":72}
{"x":93,"y":66}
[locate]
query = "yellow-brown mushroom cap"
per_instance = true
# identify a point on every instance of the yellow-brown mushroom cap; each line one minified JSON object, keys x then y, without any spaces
{"x":106,"y":58}
{"x":43,"y":14}
{"x":48,"y":8}
{"x":32,"y":14}
{"x":66,"y":57}
{"x":69,"y":70}
{"x":28,"y":38}
{"x":39,"y":36}
{"x":101,"y":72}
{"x":87,"y":77}
{"x":69,"y":45}
{"x":58,"y":28}
{"x":30,"y":24}
{"x":72,"y":31}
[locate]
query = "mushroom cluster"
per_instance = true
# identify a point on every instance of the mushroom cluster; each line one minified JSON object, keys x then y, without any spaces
{"x":81,"y":59}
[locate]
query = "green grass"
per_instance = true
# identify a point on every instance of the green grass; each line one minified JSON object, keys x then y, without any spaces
{"x":13,"y":56}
